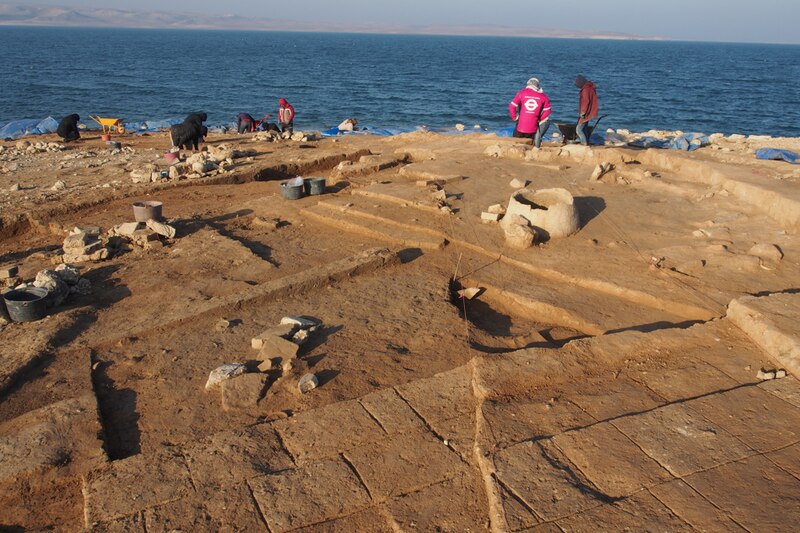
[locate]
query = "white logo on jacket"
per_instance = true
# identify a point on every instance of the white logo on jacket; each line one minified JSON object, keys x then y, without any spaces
{"x":531,"y":105}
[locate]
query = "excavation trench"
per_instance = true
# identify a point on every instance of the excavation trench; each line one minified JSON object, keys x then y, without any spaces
{"x":498,"y":326}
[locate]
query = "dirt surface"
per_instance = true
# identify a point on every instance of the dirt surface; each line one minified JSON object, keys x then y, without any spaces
{"x":594,"y":381}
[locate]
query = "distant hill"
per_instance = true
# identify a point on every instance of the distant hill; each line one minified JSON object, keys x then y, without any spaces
{"x":27,"y":15}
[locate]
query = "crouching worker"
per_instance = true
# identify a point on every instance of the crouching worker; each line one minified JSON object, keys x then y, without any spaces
{"x":68,"y":128}
{"x":348,"y":124}
{"x":245,"y":123}
{"x":531,"y":109}
{"x":190,"y":133}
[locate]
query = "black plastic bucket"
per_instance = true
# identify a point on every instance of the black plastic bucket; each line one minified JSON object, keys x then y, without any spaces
{"x":26,"y":305}
{"x":291,"y":192}
{"x":316,"y":186}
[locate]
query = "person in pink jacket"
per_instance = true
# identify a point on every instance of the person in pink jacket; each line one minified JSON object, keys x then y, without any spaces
{"x":531,"y":109}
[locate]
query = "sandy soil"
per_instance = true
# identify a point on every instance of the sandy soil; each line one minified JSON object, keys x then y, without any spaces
{"x":596,"y":381}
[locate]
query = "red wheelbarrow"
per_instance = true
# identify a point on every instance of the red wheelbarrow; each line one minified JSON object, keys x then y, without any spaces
{"x":568,"y":132}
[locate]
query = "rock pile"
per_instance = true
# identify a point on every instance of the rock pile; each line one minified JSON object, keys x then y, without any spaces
{"x":141,"y":234}
{"x":273,"y":136}
{"x":242,"y":385}
{"x":84,"y":244}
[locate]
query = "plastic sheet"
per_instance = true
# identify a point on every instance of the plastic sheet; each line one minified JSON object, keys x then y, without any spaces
{"x":21,"y":128}
{"x":778,"y":155}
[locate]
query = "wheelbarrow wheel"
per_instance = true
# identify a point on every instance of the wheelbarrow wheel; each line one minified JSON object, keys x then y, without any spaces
{"x":120,"y":129}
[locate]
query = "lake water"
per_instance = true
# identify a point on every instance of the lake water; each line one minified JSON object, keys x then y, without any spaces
{"x":393,"y":81}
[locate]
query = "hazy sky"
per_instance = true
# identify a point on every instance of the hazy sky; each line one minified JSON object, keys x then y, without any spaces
{"x":719,"y":20}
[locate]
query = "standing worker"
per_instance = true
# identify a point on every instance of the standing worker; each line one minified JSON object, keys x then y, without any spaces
{"x":286,"y":116}
{"x":531,"y":109}
{"x":587,"y":107}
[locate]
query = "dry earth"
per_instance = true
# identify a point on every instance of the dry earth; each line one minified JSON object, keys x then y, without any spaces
{"x":606,"y":380}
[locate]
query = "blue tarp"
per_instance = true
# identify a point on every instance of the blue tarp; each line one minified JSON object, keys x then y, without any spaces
{"x":20,"y":128}
{"x":367,"y":130}
{"x":687,"y":142}
{"x":779,"y":155}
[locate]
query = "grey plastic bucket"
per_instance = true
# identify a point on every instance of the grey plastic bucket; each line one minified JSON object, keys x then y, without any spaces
{"x":315,"y":186}
{"x":291,"y":192}
{"x":26,"y":305}
{"x":144,"y":211}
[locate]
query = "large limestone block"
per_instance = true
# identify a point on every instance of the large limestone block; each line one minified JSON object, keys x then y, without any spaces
{"x":551,"y":212}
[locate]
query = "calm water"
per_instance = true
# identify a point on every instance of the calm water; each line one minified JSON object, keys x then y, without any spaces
{"x":393,"y":81}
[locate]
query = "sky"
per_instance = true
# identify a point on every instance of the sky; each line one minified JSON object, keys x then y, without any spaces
{"x":714,"y":20}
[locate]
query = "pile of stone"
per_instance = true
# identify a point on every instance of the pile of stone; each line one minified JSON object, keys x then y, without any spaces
{"x":140,"y":234}
{"x":242,"y":384}
{"x":216,"y":160}
{"x":273,"y":136}
{"x":9,"y":276}
{"x":27,"y":147}
{"x":441,"y":199}
{"x":84,"y":243}
{"x":59,"y":283}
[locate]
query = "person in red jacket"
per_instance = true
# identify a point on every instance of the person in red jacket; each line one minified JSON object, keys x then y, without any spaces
{"x":587,"y":107}
{"x":531,"y":109}
{"x":286,"y":115}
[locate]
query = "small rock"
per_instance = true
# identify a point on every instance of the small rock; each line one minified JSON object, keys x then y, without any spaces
{"x":765,"y":375}
{"x":780,"y":374}
{"x":58,"y":186}
{"x":469,"y":293}
{"x":767,"y":252}
{"x":460,"y":127}
{"x":261,"y":222}
{"x":265,"y":365}
{"x":308,"y":383}
{"x":498,"y":209}
{"x":223,"y":324}
{"x":517,"y":183}
{"x":83,"y":286}
{"x":302,"y":322}
{"x":9,"y":272}
{"x":300,"y":337}
{"x":222,"y":373}
{"x":69,"y":274}
{"x":14,"y":188}
{"x":490,"y":217}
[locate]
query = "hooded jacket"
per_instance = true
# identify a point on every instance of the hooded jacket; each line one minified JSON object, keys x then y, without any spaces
{"x":588,"y":104}
{"x":285,"y":111}
{"x":532,"y":107}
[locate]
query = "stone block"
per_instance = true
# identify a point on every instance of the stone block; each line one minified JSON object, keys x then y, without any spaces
{"x":165,"y":230}
{"x":490,"y":217}
{"x":9,"y":272}
{"x":223,"y":373}
{"x":242,"y":392}
{"x":309,"y":495}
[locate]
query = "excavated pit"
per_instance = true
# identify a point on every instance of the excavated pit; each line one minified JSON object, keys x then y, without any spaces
{"x":498,"y":328}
